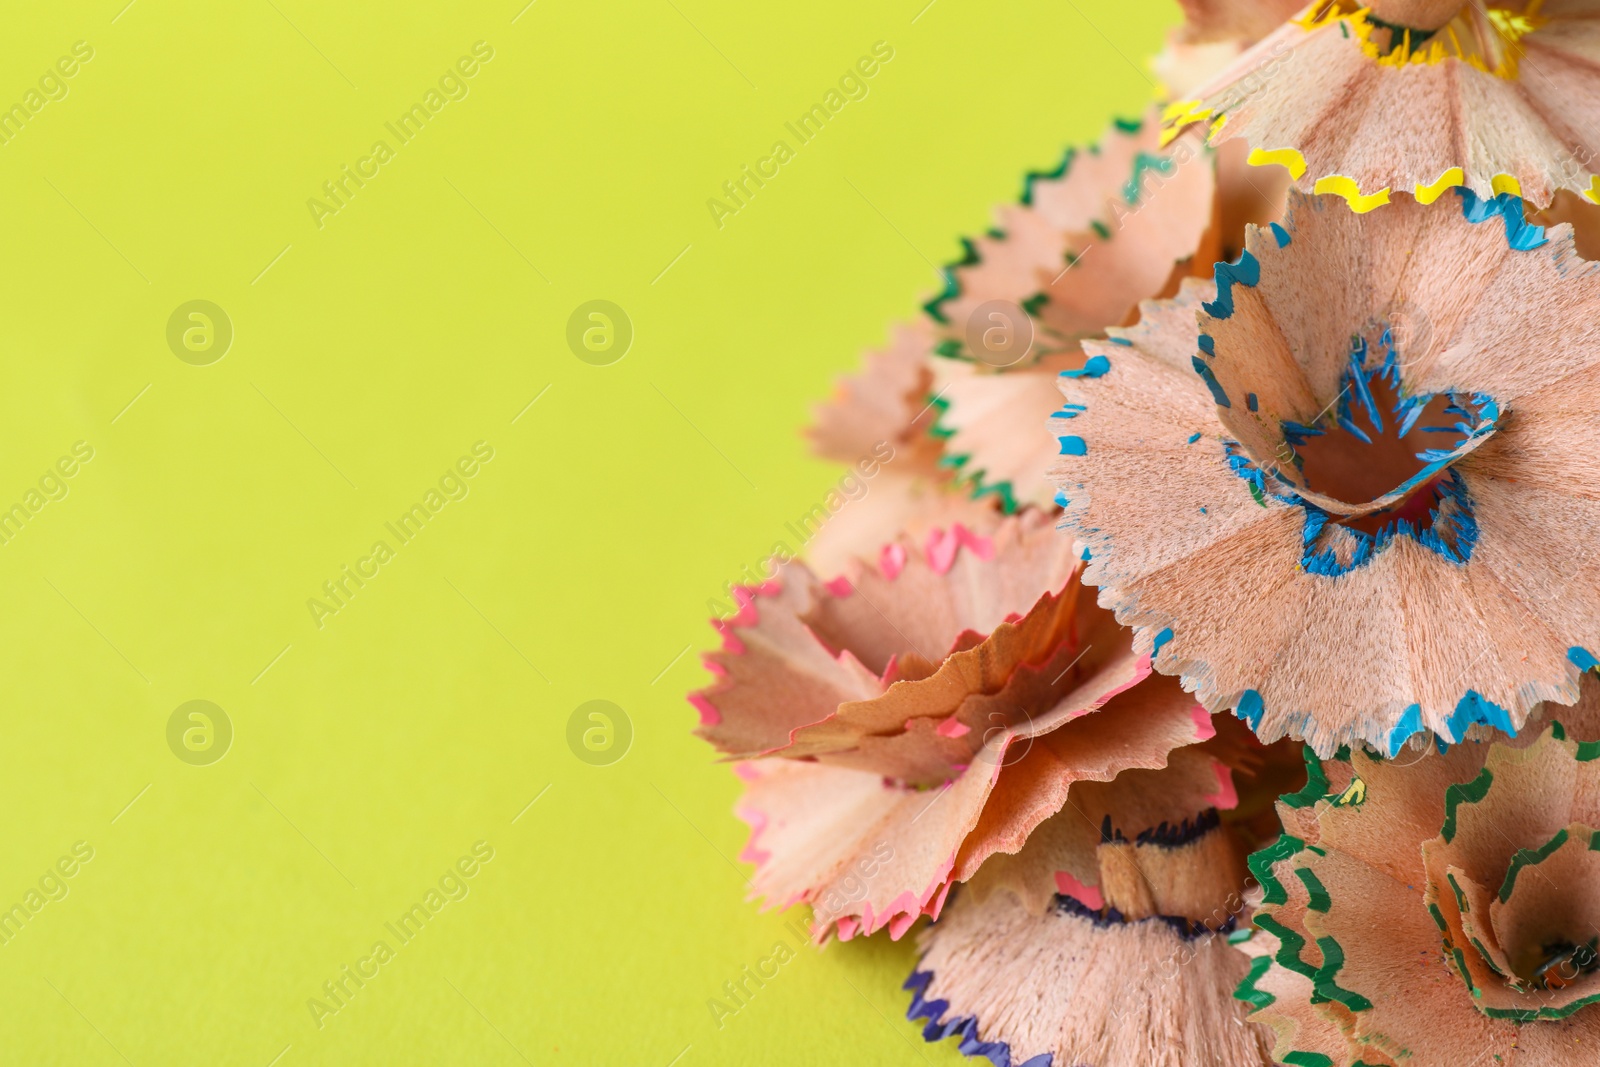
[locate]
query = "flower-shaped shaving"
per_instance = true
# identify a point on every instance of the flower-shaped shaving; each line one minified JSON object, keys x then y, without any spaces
{"x":1345,"y":530}
{"x":1417,"y":97}
{"x":1437,"y":910}
{"x":1119,"y":222}
{"x":898,"y":728}
{"x":1105,"y":939}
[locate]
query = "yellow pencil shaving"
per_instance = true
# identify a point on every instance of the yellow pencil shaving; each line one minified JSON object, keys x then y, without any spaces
{"x":1178,"y":116}
{"x":1340,"y":185}
{"x":1354,"y":794}
{"x":1328,"y":13}
{"x":1505,"y":183}
{"x":1287,"y":157}
{"x":1490,"y":43}
{"x":1185,"y":111}
{"x":1427,"y":194}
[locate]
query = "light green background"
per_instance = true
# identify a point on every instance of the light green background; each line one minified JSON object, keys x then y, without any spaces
{"x":368,"y":355}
